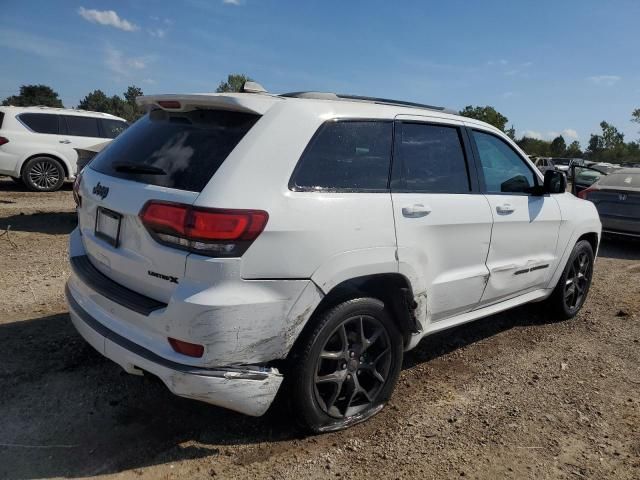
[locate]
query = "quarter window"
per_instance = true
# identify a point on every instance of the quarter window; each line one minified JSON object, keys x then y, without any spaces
{"x":112,"y":128}
{"x":503,"y":169}
{"x":431,"y":159}
{"x":41,"y":122}
{"x":82,"y":126}
{"x":347,"y":155}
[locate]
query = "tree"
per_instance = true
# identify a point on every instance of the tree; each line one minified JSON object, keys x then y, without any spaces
{"x":558,"y":146}
{"x":573,"y":150}
{"x":635,"y":115}
{"x":234,"y":83}
{"x":535,"y":146}
{"x":31,"y":95}
{"x":97,"y":101}
{"x":486,"y":114}
{"x":511,"y":132}
{"x":609,"y":146}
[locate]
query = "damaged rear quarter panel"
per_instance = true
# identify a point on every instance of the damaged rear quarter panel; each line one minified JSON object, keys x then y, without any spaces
{"x":244,"y":322}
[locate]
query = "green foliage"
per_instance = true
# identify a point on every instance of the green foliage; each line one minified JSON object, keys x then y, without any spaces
{"x":97,"y":101}
{"x":486,"y":114}
{"x":558,"y":147}
{"x":234,"y":83}
{"x":574,"y":150}
{"x":535,"y":147}
{"x":635,"y":115}
{"x":31,"y":95}
{"x":609,"y":146}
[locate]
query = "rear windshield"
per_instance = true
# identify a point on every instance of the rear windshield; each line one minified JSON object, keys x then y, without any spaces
{"x":184,"y":150}
{"x":621,"y":179}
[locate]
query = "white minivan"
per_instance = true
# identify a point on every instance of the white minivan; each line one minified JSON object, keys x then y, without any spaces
{"x":38,"y":144}
{"x":239,"y":244}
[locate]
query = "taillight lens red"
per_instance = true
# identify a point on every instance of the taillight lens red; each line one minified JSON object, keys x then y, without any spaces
{"x":583,"y":193}
{"x":207,"y":231}
{"x":3,"y":140}
{"x":76,"y":190}
{"x":186,"y":348}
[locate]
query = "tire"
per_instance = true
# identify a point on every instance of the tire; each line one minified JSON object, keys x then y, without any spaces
{"x":572,"y":289}
{"x":340,"y":376}
{"x":43,"y":174}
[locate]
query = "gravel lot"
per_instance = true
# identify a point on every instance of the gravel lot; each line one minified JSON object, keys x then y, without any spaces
{"x":516,"y":395}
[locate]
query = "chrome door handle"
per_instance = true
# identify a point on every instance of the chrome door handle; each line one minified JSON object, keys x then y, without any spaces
{"x":64,"y":141}
{"x":415,"y":211}
{"x":505,"y":209}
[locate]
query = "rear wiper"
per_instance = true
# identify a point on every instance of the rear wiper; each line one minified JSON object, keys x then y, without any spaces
{"x":137,"y":168}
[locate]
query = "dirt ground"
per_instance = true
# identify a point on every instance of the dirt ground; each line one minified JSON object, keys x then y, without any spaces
{"x":516,"y":395}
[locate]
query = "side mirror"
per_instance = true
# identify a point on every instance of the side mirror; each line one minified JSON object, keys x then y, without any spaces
{"x":554,"y":182}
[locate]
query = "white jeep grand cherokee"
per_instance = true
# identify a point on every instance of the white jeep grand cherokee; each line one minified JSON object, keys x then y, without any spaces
{"x":228,"y":242}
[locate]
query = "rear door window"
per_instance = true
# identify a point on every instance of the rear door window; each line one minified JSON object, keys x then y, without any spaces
{"x":346,"y":156}
{"x":41,"y":122}
{"x":112,"y":128}
{"x":430,"y":159}
{"x":183,"y":150}
{"x":82,"y":126}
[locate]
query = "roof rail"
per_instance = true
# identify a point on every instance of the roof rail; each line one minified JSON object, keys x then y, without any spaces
{"x":360,"y":98}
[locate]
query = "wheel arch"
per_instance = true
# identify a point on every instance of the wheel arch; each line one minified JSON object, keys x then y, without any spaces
{"x":58,"y":158}
{"x":392,"y":288}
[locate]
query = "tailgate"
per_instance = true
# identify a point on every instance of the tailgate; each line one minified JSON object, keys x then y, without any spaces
{"x":136,"y":261}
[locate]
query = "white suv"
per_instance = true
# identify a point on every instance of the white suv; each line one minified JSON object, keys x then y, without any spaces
{"x":230,"y":242}
{"x":37,"y":144}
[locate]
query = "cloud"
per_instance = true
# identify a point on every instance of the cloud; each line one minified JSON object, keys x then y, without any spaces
{"x":157,"y":32}
{"x":532,"y":134}
{"x":121,"y":65}
{"x":232,"y":2}
{"x":605,"y":80}
{"x":570,"y":133}
{"x":107,"y":17}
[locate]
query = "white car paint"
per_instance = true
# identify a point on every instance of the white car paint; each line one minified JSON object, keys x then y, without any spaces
{"x":457,"y":251}
{"x":24,"y":143}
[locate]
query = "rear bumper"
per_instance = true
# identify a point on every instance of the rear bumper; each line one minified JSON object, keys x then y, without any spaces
{"x":245,"y":389}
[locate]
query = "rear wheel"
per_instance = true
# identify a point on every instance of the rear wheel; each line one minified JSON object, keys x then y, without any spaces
{"x":346,"y":369}
{"x":43,"y":174}
{"x":570,"y":293}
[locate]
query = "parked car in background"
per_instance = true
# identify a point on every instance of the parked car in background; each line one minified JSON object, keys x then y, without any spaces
{"x":544,"y":163}
{"x":585,"y":177}
{"x":86,"y":154}
{"x":225,"y":241}
{"x":564,"y":164}
{"x":37,"y":144}
{"x":617,"y":198}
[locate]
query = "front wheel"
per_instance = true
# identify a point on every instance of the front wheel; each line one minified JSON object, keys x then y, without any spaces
{"x":570,"y":293}
{"x":43,"y":174}
{"x":345,"y":370}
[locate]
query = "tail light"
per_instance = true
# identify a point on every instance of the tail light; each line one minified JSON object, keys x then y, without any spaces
{"x":3,"y":140}
{"x":206,"y":231}
{"x":186,"y":348}
{"x":76,"y":190}
{"x":583,"y":193}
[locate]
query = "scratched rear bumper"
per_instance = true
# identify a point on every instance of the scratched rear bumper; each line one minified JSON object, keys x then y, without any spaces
{"x":245,"y":389}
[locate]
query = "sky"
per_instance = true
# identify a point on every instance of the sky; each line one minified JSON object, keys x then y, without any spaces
{"x":550,"y":66}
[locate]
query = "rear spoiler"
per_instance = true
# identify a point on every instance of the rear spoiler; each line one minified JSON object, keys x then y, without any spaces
{"x":235,"y":102}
